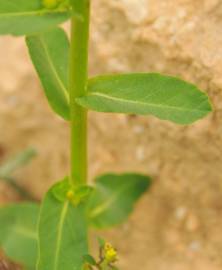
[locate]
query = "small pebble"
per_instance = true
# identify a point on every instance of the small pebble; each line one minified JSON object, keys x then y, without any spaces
{"x":181,"y":213}
{"x":140,"y":153}
{"x":138,"y":129}
{"x":194,"y":246}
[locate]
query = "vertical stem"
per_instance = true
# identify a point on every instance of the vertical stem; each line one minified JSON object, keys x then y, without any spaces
{"x":78,"y":80}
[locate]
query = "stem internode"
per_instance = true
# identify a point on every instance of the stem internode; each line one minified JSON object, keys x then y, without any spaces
{"x":78,"y":80}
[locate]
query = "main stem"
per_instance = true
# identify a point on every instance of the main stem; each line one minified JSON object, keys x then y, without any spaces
{"x":77,"y":88}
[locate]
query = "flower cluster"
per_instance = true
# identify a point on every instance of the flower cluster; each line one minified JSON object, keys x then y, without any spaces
{"x":107,"y":258}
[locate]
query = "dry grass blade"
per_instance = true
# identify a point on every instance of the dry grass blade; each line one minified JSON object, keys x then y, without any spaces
{"x":5,"y":264}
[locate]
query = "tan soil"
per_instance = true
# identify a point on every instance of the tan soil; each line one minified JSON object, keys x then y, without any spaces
{"x":177,"y":225}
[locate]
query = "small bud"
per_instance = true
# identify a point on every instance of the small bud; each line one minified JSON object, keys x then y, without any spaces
{"x":110,"y":253}
{"x":70,"y":195}
{"x":50,"y":4}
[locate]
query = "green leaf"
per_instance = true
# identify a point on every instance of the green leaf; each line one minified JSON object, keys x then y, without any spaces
{"x":165,"y":97}
{"x":16,"y":162}
{"x":18,"y":233}
{"x":114,"y":197}
{"x":49,"y":53}
{"x":24,"y":17}
{"x":89,"y":259}
{"x":62,"y":234}
{"x":10,"y":166}
{"x":82,"y":193}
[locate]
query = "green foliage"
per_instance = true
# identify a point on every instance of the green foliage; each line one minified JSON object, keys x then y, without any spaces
{"x":10,"y":166}
{"x":70,"y":206}
{"x":62,"y":234}
{"x":21,"y":159}
{"x":114,"y":198}
{"x":25,"y":17}
{"x":165,"y":97}
{"x":18,"y":234}
{"x":89,"y":260}
{"x":49,"y":54}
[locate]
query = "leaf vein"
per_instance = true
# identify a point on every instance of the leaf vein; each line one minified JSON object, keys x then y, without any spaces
{"x":144,"y":103}
{"x":59,"y":235}
{"x":57,"y":78}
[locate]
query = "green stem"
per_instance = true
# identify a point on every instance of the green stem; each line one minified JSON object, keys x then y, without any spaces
{"x":78,"y":81}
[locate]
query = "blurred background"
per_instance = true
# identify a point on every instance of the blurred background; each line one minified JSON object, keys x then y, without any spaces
{"x":178,"y":224}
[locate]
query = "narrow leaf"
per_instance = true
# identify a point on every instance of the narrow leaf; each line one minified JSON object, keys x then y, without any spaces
{"x":18,"y":233}
{"x":114,"y":198}
{"x":89,"y":259}
{"x":16,"y":162}
{"x":165,"y":97}
{"x":26,"y":17}
{"x":49,"y":53}
{"x":62,"y":234}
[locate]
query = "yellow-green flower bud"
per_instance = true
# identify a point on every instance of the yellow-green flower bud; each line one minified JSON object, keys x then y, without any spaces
{"x":110,"y":253}
{"x":50,"y":4}
{"x":70,"y":195}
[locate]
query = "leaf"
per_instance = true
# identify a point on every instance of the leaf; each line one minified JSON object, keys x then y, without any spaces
{"x":10,"y":166}
{"x":62,"y":234}
{"x":82,"y":193}
{"x":89,"y":259}
{"x":16,"y":162}
{"x":165,"y":97}
{"x":49,"y":53}
{"x":114,"y":198}
{"x":18,"y":233}
{"x":26,"y":17}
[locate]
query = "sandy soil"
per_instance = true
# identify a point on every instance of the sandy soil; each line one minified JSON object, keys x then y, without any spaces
{"x":177,"y":225}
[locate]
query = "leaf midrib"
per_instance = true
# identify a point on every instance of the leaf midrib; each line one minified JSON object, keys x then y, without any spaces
{"x":144,"y":103}
{"x":102,"y":207}
{"x":54,"y":71}
{"x":59,"y":235}
{"x":27,"y":13}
